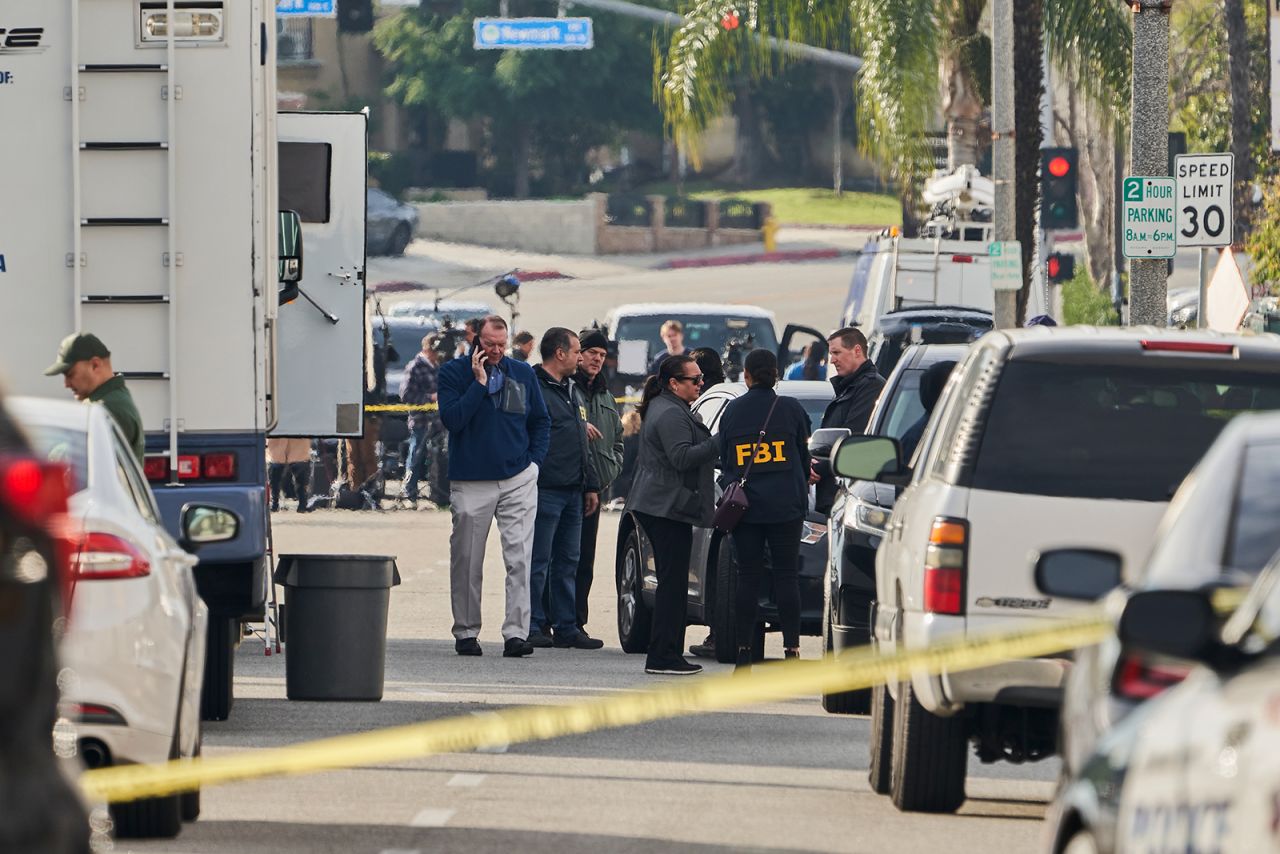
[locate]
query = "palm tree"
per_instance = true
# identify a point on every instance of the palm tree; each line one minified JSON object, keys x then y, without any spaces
{"x":919,"y":57}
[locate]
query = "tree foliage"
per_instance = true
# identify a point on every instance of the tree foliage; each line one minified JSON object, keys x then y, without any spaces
{"x":552,"y":105}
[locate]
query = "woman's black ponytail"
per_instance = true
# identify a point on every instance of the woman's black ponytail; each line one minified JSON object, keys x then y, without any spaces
{"x":655,"y":383}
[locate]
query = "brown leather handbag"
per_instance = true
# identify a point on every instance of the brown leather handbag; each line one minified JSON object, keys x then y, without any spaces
{"x":733,"y":504}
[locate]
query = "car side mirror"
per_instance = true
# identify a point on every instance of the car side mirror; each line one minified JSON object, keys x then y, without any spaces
{"x":1084,"y":574}
{"x":824,"y":440}
{"x":289,"y":246}
{"x":1177,"y":623}
{"x":204,"y":524}
{"x":868,"y":458}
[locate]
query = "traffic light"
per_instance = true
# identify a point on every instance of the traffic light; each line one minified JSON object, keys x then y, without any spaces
{"x":1058,"y":189}
{"x":1061,"y":266}
{"x":355,"y":16}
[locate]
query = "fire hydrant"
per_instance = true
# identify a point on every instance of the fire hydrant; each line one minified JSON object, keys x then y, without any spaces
{"x":770,"y":232}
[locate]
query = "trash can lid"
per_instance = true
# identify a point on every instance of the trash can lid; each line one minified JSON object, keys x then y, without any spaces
{"x":348,"y":571}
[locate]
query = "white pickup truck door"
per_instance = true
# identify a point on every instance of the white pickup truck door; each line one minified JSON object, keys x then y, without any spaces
{"x":320,"y":340}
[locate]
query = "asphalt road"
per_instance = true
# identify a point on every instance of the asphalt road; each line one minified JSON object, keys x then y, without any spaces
{"x":777,"y":777}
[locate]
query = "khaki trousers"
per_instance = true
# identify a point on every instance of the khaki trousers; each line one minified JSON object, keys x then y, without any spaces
{"x":474,"y":505}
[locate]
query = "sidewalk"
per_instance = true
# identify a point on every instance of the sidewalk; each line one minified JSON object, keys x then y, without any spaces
{"x":454,"y":264}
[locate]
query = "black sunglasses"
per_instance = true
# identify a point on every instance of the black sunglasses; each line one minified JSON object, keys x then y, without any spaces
{"x":696,"y":378}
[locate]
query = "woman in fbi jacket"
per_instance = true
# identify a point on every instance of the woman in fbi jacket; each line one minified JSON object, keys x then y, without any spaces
{"x":778,"y":491}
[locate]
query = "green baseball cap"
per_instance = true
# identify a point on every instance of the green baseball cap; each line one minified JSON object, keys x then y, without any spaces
{"x":77,"y":348}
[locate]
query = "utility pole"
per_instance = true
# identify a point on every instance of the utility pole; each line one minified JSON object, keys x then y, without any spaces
{"x":1149,"y":147}
{"x":1003,"y":152}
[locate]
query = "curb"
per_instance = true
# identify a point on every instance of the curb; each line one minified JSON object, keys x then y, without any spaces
{"x":540,"y":275}
{"x":755,"y":258}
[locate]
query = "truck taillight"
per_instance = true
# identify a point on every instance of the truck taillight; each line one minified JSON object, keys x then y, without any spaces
{"x":944,"y":566}
{"x":219,"y":466}
{"x":188,"y":467}
{"x":156,"y":467}
{"x":100,"y":556}
{"x":1137,"y":680}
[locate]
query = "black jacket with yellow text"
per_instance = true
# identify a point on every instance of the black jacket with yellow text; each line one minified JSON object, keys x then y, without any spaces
{"x":778,"y":484}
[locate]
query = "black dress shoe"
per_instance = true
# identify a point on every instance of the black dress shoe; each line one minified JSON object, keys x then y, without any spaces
{"x":516,"y":647}
{"x":579,"y":640}
{"x":468,"y":646}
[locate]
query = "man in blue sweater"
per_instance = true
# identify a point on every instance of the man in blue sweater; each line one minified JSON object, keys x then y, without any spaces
{"x":499,"y":431}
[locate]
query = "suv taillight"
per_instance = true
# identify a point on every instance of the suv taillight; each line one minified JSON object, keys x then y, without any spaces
{"x":944,"y":566}
{"x":100,"y":556}
{"x":1137,"y":680}
{"x":31,"y":490}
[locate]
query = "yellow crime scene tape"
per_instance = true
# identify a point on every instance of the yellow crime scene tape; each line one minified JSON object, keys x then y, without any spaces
{"x":432,"y":407}
{"x":851,"y":670}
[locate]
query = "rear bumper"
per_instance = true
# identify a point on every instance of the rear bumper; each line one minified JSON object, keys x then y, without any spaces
{"x":1035,"y":682}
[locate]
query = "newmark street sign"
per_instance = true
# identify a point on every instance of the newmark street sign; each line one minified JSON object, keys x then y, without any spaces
{"x":1204,"y":198}
{"x":306,"y":9}
{"x":1149,"y":218}
{"x":1006,"y":265}
{"x":533,"y":34}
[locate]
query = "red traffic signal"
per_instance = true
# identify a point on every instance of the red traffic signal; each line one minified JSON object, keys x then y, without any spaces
{"x":1060,"y":267}
{"x":1059,"y":166}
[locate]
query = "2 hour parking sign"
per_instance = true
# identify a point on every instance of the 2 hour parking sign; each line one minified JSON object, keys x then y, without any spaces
{"x":1148,"y":227}
{"x":1204,"y":198}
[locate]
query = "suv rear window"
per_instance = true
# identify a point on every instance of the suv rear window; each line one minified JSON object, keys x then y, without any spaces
{"x":1108,"y":431}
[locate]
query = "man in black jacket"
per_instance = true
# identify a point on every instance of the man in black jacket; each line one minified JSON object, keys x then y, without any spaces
{"x":568,"y":489}
{"x":858,"y":385}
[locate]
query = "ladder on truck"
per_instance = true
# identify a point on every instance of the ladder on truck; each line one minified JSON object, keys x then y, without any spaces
{"x":124,"y":257}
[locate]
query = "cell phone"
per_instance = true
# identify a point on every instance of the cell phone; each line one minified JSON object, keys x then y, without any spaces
{"x":475,"y":348}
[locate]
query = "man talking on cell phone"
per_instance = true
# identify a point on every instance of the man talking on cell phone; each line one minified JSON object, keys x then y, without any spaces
{"x":499,"y":432}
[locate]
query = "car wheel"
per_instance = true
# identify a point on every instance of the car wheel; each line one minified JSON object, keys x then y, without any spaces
{"x":881,"y":741}
{"x":219,"y":668}
{"x":150,"y":818}
{"x":1082,"y":842}
{"x":400,"y":240}
{"x":930,"y":757}
{"x":634,"y":619}
{"x":844,"y":702}
{"x":724,"y":610}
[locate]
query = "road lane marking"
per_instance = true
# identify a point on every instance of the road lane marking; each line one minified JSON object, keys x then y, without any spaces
{"x":432,"y":818}
{"x":469,"y":780}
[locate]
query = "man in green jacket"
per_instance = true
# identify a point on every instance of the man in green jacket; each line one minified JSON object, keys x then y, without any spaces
{"x":604,"y":429}
{"x":85,"y":364}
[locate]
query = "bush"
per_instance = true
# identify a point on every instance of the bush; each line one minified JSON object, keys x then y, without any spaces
{"x":1263,"y":243}
{"x":1084,"y":303}
{"x":392,"y":171}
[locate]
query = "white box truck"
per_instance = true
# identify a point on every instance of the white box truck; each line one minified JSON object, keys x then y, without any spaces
{"x":144,"y":170}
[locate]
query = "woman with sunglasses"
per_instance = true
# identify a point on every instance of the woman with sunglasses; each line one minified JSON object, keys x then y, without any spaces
{"x":673,"y":490}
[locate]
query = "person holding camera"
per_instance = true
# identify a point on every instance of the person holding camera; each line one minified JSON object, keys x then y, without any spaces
{"x":764,"y":444}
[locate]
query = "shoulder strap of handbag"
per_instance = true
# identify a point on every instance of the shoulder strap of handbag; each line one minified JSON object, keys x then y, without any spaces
{"x":764,"y":428}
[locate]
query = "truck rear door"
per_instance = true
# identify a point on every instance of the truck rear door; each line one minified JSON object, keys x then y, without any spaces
{"x":320,"y":340}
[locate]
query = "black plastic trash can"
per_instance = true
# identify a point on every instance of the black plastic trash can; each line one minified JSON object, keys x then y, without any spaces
{"x":337,"y":607}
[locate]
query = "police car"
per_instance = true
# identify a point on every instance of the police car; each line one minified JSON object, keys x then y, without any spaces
{"x":1219,"y":533}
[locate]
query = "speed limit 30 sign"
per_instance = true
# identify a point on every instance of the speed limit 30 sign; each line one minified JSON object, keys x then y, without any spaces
{"x":1204,"y":199}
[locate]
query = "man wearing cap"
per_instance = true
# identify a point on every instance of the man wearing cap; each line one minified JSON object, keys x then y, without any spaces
{"x":604,"y":429}
{"x":85,"y":364}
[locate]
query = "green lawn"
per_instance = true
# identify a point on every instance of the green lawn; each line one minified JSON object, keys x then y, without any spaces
{"x":801,"y":205}
{"x":814,"y":206}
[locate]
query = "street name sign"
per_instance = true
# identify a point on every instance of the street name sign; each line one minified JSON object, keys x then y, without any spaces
{"x":1149,"y":223}
{"x":1204,"y":198}
{"x":306,"y":9}
{"x":1006,"y":265}
{"x":533,"y":34}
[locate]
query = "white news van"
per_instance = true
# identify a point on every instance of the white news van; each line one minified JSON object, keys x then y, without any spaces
{"x":144,"y":170}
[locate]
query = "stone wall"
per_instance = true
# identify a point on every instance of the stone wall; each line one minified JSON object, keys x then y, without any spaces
{"x":532,"y":226}
{"x":571,"y":227}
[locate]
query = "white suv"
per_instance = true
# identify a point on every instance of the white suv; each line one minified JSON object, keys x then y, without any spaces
{"x":1042,"y":439}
